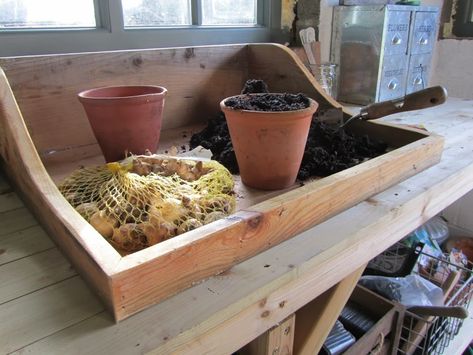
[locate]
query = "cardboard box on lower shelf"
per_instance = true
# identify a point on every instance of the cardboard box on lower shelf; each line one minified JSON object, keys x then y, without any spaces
{"x":383,"y":336}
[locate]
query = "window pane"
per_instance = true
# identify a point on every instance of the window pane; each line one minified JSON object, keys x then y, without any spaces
{"x":46,"y":13}
{"x":156,"y":12}
{"x":229,"y":12}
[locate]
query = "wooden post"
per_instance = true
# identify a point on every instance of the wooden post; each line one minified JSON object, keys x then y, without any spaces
{"x":278,"y":340}
{"x":316,"y":319}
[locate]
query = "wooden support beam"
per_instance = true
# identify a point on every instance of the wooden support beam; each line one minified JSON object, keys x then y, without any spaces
{"x":278,"y":340}
{"x":316,"y":319}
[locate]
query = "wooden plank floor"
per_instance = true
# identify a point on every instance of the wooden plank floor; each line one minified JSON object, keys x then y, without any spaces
{"x":46,"y":308}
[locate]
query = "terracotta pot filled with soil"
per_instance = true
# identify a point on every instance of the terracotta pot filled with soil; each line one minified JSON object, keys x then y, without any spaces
{"x":329,"y":149}
{"x":269,"y":132}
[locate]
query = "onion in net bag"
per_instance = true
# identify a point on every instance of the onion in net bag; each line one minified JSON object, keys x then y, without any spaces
{"x":146,"y":199}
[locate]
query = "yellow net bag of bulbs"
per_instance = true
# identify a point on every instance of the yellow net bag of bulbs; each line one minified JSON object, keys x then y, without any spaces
{"x":146,"y":199}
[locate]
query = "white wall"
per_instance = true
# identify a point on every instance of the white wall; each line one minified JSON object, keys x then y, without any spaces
{"x":460,"y":216}
{"x":452,"y":67}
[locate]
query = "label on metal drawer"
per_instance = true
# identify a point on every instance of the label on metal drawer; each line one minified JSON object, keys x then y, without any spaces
{"x":397,"y":32}
{"x":423,"y":33}
{"x":398,"y":27}
{"x":418,"y":73}
{"x":392,"y":83}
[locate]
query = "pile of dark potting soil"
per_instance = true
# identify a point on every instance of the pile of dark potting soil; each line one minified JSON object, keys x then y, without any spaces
{"x":328,"y":149}
{"x":332,"y":149}
{"x":216,"y":138}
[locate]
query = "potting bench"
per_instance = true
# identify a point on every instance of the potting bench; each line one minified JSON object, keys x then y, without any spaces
{"x":46,"y":308}
{"x":46,"y":136}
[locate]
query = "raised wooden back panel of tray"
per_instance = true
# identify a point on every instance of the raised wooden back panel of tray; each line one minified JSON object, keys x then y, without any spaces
{"x":45,"y":135}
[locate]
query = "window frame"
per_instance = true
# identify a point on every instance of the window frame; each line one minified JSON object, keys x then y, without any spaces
{"x":196,"y":7}
{"x":463,"y":22}
{"x":110,"y":33}
{"x":99,"y":7}
{"x":196,"y":18}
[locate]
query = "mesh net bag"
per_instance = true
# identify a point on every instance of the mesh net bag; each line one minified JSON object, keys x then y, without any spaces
{"x":146,"y":199}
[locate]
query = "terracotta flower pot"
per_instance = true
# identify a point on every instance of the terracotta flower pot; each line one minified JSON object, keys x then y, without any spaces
{"x":269,"y":145}
{"x":125,"y":118}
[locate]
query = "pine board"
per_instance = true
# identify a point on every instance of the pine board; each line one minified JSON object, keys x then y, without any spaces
{"x":30,"y":274}
{"x":16,"y":220}
{"x":128,"y":284}
{"x":23,"y":243}
{"x":9,"y":201}
{"x":4,"y":185}
{"x":217,"y":309}
{"x":29,"y":317}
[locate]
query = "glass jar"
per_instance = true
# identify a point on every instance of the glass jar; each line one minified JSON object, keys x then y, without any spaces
{"x":326,"y":76}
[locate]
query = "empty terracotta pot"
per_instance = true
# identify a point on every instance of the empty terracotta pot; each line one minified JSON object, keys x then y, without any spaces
{"x":269,"y":145}
{"x":125,"y":118}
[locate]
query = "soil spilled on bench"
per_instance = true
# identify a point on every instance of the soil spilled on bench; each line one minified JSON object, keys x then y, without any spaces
{"x":328,"y":149}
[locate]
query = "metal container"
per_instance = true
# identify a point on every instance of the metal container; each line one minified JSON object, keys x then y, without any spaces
{"x":382,"y":52}
{"x":338,"y":340}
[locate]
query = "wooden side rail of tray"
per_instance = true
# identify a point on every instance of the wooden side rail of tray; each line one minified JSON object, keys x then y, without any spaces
{"x":43,"y":127}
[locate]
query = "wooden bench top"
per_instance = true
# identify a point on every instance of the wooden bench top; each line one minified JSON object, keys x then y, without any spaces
{"x":47,"y":308}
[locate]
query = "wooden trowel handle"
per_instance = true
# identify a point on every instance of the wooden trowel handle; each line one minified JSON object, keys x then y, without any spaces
{"x":425,"y":98}
{"x":439,"y":311}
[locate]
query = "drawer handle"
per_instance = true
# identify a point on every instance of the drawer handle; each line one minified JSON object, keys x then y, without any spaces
{"x":417,"y":81}
{"x":392,"y":85}
{"x":423,"y":41}
{"x":396,"y":40}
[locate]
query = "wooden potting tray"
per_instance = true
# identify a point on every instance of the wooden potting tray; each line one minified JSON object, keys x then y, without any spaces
{"x":45,"y":135}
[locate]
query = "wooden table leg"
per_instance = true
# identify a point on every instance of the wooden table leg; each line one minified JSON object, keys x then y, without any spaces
{"x":315,"y":320}
{"x":276,"y":341}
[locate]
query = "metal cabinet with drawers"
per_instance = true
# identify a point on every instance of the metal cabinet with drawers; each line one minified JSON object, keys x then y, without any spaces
{"x":382,"y":52}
